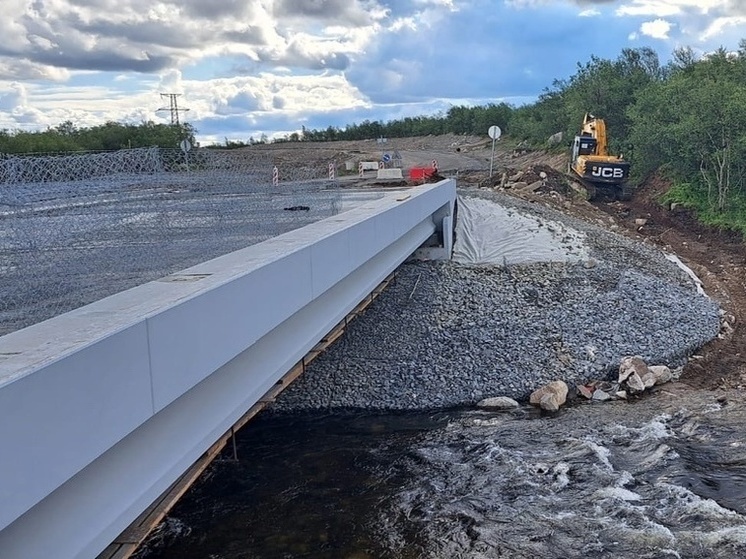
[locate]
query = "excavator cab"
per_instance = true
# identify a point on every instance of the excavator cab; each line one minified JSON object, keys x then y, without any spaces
{"x":583,"y":145}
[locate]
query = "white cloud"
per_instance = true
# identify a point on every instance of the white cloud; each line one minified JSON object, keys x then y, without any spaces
{"x":265,"y":63}
{"x":170,"y":81}
{"x":438,"y":3}
{"x":666,"y":8}
{"x":719,"y":26}
{"x":13,"y":98}
{"x":256,"y":97}
{"x":657,"y":29}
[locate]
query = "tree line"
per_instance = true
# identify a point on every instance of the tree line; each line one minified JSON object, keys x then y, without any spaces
{"x":685,"y":119}
{"x":66,"y":137}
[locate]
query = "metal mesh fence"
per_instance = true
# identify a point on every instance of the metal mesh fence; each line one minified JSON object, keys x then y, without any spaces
{"x":75,"y":228}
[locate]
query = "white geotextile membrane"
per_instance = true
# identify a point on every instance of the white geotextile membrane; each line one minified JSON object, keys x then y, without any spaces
{"x":698,"y":282}
{"x":488,"y":233}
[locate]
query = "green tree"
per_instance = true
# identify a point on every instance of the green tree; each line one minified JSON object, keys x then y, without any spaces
{"x":694,"y":124}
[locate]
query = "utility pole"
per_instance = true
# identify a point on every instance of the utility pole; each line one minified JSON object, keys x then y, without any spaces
{"x":173,"y":107}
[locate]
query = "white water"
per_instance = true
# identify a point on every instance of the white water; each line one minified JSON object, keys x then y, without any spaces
{"x":597,"y":481}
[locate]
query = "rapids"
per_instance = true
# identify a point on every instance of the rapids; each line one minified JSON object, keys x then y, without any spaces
{"x":663,"y":476}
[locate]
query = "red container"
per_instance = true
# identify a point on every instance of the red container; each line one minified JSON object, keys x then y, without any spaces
{"x":420,"y":173}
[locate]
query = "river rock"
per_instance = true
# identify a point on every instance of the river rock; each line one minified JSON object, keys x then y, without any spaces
{"x":634,"y":383}
{"x":550,"y":397}
{"x":498,"y":403}
{"x":630,"y":365}
{"x":601,"y":396}
{"x":648,"y":379}
{"x":585,"y":391}
{"x":661,"y":373}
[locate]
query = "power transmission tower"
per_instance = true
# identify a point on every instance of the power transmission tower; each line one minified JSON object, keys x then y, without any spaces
{"x":173,"y":108}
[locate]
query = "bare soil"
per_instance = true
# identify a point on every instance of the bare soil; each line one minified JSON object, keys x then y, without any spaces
{"x":716,"y":256}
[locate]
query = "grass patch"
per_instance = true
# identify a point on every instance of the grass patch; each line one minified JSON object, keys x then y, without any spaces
{"x":694,"y":197}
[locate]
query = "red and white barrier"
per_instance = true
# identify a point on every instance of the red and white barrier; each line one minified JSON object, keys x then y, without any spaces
{"x":275,"y":176}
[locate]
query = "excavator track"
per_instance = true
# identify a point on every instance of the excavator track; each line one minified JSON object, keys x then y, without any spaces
{"x":595,"y":191}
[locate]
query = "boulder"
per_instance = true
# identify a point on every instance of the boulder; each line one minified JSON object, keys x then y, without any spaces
{"x":549,"y":397}
{"x":590,"y":263}
{"x":661,"y":373}
{"x":601,"y":396}
{"x":632,"y":364}
{"x":534,"y":186}
{"x":648,"y":379}
{"x":634,"y":383}
{"x":498,"y":403}
{"x":550,"y":402}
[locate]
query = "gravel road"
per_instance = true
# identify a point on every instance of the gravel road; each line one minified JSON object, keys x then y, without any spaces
{"x":448,"y":334}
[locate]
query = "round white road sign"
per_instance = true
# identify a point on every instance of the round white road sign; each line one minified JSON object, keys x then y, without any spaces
{"x":494,"y":132}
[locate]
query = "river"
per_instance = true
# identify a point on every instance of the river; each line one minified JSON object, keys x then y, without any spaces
{"x":662,"y":476}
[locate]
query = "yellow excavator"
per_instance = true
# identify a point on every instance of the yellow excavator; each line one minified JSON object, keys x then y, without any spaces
{"x":591,"y":162}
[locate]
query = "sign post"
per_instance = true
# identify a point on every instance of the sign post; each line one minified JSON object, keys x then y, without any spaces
{"x":494,"y":132}
{"x":185,"y":146}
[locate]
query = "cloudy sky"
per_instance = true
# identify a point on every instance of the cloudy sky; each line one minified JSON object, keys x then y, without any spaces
{"x":247,"y":67}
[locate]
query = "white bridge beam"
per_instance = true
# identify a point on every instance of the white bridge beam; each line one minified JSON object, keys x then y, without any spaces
{"x":104,"y":407}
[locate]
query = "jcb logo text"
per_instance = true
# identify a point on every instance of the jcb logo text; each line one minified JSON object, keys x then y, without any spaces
{"x":607,"y":172}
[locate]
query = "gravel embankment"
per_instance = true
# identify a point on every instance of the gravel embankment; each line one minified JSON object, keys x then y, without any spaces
{"x":445,"y":334}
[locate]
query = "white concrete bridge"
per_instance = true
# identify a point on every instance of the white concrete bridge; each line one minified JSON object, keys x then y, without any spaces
{"x":104,"y":407}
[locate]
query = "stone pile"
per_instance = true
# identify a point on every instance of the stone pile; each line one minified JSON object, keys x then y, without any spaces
{"x":635,"y":376}
{"x":534,"y":178}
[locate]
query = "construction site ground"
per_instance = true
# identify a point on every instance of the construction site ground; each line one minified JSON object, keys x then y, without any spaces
{"x":716,"y":256}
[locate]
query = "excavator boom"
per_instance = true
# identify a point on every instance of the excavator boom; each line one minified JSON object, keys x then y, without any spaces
{"x":596,"y":128}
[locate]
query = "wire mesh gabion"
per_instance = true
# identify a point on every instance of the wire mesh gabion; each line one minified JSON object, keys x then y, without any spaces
{"x":75,"y":228}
